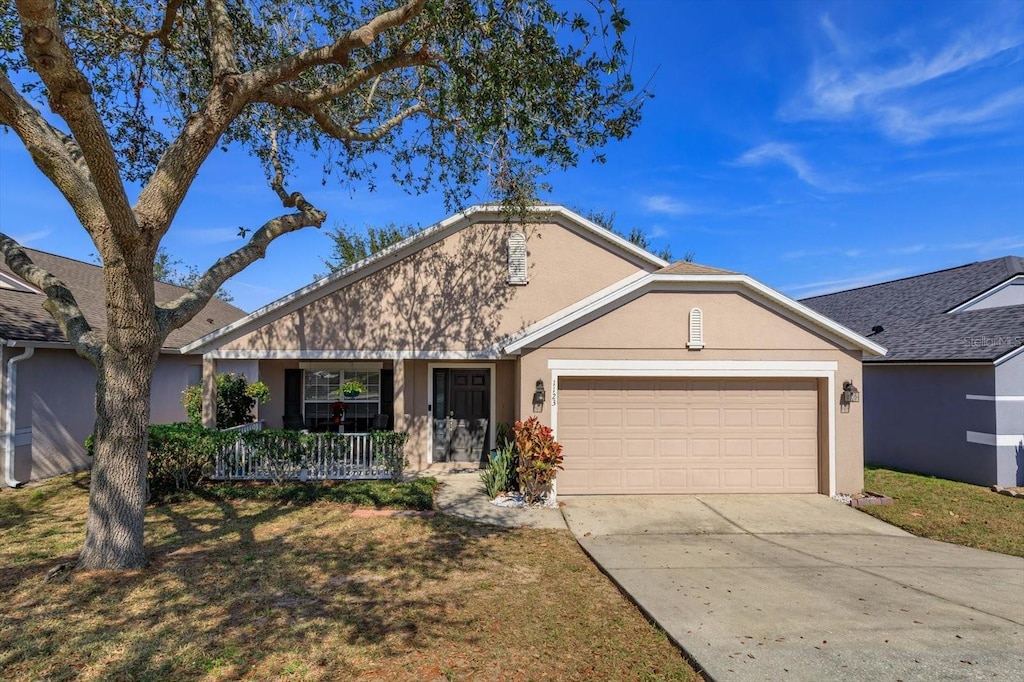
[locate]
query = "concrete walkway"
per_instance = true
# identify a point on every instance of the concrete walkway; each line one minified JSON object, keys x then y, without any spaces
{"x":462,"y":494}
{"x":803,"y":588}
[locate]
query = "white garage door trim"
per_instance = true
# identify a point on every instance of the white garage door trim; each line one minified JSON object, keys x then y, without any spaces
{"x":724,"y":369}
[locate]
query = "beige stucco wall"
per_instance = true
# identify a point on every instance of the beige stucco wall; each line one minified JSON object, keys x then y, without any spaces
{"x":417,"y":413}
{"x":453,"y":295}
{"x":654,"y":327}
{"x":56,"y":396}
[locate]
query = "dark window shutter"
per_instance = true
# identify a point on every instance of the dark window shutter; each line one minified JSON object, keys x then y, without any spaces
{"x":292,"y":392}
{"x":387,"y":395}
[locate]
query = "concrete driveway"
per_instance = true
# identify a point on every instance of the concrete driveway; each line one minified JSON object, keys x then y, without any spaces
{"x":760,"y":587}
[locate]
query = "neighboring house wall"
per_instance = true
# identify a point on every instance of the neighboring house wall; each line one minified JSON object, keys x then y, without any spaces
{"x":453,"y":295}
{"x":1009,"y":406}
{"x":56,"y":395}
{"x":919,"y":415}
{"x":655,"y":327}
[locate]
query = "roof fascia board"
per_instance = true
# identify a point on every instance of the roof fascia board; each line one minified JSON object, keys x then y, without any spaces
{"x":335,"y":281}
{"x":606,"y":235}
{"x":575,"y":316}
{"x":17,"y":284}
{"x":492,"y":353}
{"x":1009,"y":356}
{"x":985,"y":294}
{"x":417,"y":242}
{"x":920,"y":363}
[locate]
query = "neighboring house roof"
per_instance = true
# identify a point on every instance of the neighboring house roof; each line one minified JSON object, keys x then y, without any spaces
{"x":22,"y":317}
{"x":921,"y":319}
{"x":687,"y":276}
{"x":417,"y":242}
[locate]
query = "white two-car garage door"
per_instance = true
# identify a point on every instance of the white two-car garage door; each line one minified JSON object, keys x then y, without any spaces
{"x":686,"y":435}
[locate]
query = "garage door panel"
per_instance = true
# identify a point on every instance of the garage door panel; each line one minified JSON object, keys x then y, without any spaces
{"x":771,"y":417}
{"x":688,"y":435}
{"x":605,"y":447}
{"x":641,"y":417}
{"x":705,"y":417}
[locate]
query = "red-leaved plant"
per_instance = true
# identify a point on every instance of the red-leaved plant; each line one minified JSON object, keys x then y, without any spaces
{"x":540,"y":458}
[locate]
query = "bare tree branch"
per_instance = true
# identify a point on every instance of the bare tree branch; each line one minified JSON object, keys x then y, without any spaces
{"x":60,"y":302}
{"x":54,"y":153}
{"x":70,"y":96}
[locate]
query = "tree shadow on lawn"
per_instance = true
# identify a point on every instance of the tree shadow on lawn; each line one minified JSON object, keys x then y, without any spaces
{"x":240,"y":586}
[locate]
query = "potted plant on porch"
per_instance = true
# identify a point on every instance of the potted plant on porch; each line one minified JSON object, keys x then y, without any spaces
{"x":352,"y":388}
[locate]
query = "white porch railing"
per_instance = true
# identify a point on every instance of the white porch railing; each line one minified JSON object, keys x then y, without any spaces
{"x":245,"y":428}
{"x":314,"y":457}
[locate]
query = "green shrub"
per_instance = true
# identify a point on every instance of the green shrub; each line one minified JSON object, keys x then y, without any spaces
{"x":235,"y":399}
{"x":500,"y":475}
{"x":390,"y":449}
{"x":179,"y":456}
{"x":282,"y":450}
{"x":540,"y":458}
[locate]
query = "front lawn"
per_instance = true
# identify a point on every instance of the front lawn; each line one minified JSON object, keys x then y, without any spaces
{"x":245,"y":586}
{"x":944,"y":510}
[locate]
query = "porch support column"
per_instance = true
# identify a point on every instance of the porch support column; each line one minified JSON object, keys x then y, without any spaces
{"x":209,"y":392}
{"x":399,"y":404}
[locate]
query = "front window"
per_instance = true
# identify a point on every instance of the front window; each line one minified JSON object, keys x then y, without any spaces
{"x":326,"y":409}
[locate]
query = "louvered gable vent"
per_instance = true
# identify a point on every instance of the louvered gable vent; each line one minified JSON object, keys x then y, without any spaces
{"x":517,"y":258}
{"x":696,"y":329}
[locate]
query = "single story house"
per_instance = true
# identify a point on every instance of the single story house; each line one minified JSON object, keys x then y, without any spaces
{"x":49,"y":391}
{"x":655,"y":377}
{"x":948,"y":398}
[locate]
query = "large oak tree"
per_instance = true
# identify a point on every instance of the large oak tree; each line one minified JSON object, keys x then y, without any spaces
{"x":120,"y":103}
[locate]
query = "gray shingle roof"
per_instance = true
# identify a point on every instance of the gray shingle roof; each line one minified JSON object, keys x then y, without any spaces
{"x":23,"y":318}
{"x":914,"y":313}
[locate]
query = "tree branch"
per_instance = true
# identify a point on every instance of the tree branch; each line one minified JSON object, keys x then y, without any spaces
{"x":179,"y":311}
{"x":57,"y":155}
{"x":338,"y":51}
{"x":222,"y":40}
{"x":348,"y":134}
{"x":70,"y":97}
{"x":60,"y":302}
{"x":286,"y":96}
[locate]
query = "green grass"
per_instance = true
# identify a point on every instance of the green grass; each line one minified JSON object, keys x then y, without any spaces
{"x":251,"y":582}
{"x":415,"y":494}
{"x":959,"y":513}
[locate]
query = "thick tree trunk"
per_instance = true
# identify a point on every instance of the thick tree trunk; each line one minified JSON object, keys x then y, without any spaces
{"x":117,"y":495}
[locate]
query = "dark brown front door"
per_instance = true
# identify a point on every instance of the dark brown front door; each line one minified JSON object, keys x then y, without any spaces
{"x":461,"y":411}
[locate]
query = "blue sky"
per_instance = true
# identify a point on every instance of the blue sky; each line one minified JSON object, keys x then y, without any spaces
{"x":815,"y":146}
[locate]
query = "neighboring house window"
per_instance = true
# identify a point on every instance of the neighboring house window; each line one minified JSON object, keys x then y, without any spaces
{"x":517,"y":258}
{"x":321,"y":391}
{"x":696,"y":329}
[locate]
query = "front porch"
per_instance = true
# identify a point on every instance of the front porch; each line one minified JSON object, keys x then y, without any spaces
{"x":450,"y":409}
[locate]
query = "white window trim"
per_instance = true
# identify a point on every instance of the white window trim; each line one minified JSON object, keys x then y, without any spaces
{"x":725,"y":369}
{"x":339,"y":367}
{"x":431,"y":366}
{"x":995,"y":439}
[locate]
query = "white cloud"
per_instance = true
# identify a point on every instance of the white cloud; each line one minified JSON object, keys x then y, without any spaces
{"x":28,"y":238}
{"x":663,"y":203}
{"x":787,"y":155}
{"x":911,"y":97}
{"x":828,"y":286}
